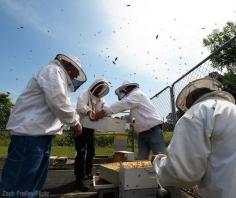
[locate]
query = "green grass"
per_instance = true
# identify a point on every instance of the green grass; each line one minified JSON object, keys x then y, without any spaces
{"x":69,"y":151}
{"x":167,"y":137}
{"x":104,"y":150}
{"x":3,"y":151}
{"x":4,"y":138}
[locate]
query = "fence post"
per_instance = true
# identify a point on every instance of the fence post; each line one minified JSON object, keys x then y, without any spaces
{"x":132,"y":140}
{"x":132,"y":127}
{"x":172,"y":98}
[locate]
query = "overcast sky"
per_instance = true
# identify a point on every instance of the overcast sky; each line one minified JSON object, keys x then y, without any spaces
{"x":155,"y":41}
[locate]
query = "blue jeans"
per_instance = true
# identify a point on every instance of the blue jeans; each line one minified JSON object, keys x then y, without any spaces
{"x":26,"y":166}
{"x":150,"y":140}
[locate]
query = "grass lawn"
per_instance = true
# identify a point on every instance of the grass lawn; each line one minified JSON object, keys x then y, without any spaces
{"x":167,"y":137}
{"x":69,"y":151}
{"x":3,"y":151}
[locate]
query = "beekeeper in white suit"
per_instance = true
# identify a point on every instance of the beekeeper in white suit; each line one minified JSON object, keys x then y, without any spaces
{"x":89,"y":102}
{"x":39,"y":113}
{"x":202,"y":151}
{"x":147,"y":121}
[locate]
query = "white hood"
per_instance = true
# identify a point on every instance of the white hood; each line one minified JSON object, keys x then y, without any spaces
{"x":80,"y":79}
{"x":104,"y":91}
{"x":220,"y":94}
{"x":125,"y":84}
{"x":207,"y":82}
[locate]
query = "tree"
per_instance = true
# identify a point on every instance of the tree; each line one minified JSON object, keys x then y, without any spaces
{"x":228,"y":80}
{"x":226,"y":58}
{"x":5,"y":109}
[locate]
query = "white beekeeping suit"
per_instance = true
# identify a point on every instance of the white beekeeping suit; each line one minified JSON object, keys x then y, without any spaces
{"x":89,"y":102}
{"x":44,"y":106}
{"x":140,"y":106}
{"x":202,"y":150}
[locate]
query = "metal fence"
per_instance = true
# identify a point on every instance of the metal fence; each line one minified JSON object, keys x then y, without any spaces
{"x":164,"y":100}
{"x":163,"y":103}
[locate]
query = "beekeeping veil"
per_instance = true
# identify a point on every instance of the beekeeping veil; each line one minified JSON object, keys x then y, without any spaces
{"x":96,"y":86}
{"x":74,"y":61}
{"x":124,"y":85}
{"x":207,"y":83}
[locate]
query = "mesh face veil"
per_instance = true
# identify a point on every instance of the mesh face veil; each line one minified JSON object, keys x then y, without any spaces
{"x":104,"y":91}
{"x":75,"y":62}
{"x":125,"y":84}
{"x":121,"y":95}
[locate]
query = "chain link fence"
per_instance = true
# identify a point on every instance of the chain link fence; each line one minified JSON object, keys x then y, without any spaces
{"x":164,"y":101}
{"x":204,"y":70}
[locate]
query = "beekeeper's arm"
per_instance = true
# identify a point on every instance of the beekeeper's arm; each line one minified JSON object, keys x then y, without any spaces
{"x":103,"y":103}
{"x":188,"y":152}
{"x":54,"y":85}
{"x":82,"y":103}
{"x":127,"y":103}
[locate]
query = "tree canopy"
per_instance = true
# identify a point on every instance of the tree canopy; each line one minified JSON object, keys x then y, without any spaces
{"x":226,"y":58}
{"x":5,"y":109}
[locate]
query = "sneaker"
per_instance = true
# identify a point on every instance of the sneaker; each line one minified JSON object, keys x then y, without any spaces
{"x":88,"y":177}
{"x":79,"y":185}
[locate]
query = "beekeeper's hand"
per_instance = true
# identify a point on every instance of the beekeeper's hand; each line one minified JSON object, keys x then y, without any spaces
{"x":153,"y":157}
{"x":107,"y":110}
{"x":77,"y":130}
{"x":162,"y":192}
{"x":100,"y":114}
{"x":157,"y":161}
{"x":159,"y":156}
{"x":91,"y":115}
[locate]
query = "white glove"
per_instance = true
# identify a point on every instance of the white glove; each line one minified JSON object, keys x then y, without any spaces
{"x":156,"y":164}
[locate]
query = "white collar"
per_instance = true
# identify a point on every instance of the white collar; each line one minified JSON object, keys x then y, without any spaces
{"x":219,"y":94}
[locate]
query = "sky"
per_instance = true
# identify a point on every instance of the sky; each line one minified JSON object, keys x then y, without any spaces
{"x":155,"y":41}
